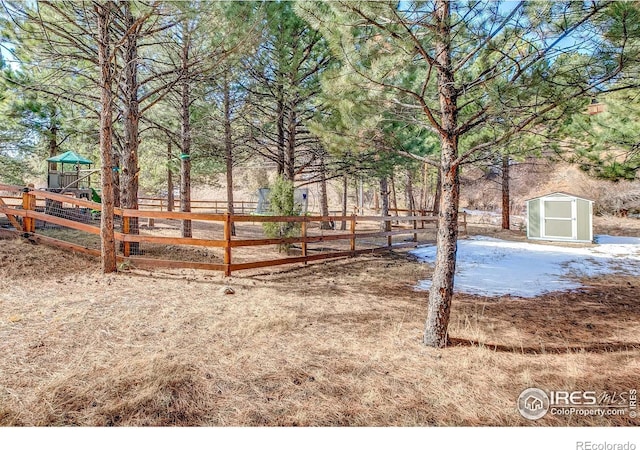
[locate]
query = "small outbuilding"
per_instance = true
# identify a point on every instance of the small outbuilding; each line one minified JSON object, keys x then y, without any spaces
{"x":300,"y":200}
{"x":560,"y":217}
{"x":64,"y":180}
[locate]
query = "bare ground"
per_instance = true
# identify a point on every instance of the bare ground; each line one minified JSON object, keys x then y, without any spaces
{"x":332,"y":344}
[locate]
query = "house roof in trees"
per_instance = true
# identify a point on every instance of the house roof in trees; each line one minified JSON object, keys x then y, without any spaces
{"x":69,"y":157}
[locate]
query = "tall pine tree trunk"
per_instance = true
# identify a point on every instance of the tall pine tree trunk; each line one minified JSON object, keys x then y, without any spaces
{"x":185,"y":130}
{"x":290,"y":156}
{"x":129,"y":161}
{"x":441,"y":291}
{"x":394,"y":197}
{"x":506,"y":201}
{"x":422,"y":202}
{"x":115,"y":176}
{"x":280,"y":131}
{"x":438,"y":193}
{"x":384,"y":196}
{"x":228,"y":147}
{"x":107,"y":239}
{"x":410,"y":201}
{"x":324,"y":198}
{"x":53,"y":144}
{"x":170,"y":198}
{"x":345,"y":185}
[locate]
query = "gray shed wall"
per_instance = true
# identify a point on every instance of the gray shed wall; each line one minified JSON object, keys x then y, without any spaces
{"x":533,"y":217}
{"x":584,"y":220}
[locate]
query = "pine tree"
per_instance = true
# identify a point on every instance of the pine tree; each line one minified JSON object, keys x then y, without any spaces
{"x":464,"y":68}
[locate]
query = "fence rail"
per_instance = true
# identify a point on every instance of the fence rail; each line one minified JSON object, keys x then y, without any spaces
{"x":218,"y":206}
{"x":74,"y":224}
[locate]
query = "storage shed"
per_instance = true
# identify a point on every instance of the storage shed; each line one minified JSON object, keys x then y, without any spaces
{"x":560,"y":217}
{"x":300,"y":200}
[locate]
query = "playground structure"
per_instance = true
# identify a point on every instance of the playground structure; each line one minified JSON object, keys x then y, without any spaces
{"x":212,"y":246}
{"x":76,"y":181}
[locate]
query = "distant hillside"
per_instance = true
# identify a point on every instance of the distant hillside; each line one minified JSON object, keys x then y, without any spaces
{"x":482,"y":190}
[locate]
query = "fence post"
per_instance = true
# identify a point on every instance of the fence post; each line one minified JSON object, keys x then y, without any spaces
{"x":353,"y":234}
{"x":126,"y":228}
{"x":150,"y":220}
{"x":415,"y":227}
{"x":28,"y":203}
{"x":303,"y":231}
{"x":227,"y":244}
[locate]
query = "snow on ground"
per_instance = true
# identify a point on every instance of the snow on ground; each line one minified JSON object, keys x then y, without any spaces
{"x":493,"y":267}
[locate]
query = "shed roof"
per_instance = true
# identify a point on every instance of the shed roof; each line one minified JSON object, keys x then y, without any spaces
{"x":559,"y":193}
{"x":69,"y":158}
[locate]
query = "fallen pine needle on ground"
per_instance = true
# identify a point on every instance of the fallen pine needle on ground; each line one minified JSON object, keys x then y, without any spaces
{"x":330,"y":344}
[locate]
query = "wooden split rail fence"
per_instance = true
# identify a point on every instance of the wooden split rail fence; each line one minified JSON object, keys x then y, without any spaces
{"x":43,"y":208}
{"x":216,"y":206}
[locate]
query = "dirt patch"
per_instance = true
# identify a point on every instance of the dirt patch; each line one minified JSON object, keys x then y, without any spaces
{"x":20,"y":260}
{"x":329,"y":344}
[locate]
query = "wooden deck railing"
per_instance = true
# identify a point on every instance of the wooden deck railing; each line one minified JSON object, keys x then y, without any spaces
{"x":25,"y":216}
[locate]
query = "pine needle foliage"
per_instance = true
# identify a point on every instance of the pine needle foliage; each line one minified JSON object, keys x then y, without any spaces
{"x":281,"y":203}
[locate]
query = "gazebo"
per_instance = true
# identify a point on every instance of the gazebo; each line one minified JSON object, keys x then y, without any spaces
{"x":69,"y":176}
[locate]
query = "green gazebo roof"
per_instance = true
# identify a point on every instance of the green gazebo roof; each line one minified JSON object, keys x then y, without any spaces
{"x":69,"y":158}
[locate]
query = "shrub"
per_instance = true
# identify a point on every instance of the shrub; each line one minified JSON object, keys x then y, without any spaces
{"x":281,"y":203}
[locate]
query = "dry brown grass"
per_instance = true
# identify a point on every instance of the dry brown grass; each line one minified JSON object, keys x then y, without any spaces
{"x":616,"y":226}
{"x":332,"y":344}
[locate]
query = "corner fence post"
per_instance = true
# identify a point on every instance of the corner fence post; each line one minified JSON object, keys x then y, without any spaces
{"x":227,"y":244}
{"x":353,"y":234}
{"x":28,"y":204}
{"x":126,"y":229}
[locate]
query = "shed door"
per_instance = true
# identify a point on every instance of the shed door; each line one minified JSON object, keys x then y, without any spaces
{"x":559,"y":218}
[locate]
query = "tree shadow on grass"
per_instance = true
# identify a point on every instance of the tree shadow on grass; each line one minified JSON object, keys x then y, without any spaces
{"x":602,"y":347}
{"x":602,"y":317}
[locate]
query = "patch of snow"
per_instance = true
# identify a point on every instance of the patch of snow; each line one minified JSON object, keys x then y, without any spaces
{"x":478,"y":212}
{"x":493,"y":267}
{"x":617,"y":240}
